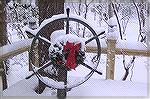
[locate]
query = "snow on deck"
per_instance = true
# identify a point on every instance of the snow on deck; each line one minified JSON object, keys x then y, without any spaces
{"x":93,"y":87}
{"x":98,"y":87}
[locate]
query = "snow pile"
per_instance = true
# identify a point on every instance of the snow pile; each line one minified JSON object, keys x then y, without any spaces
{"x":56,"y":34}
{"x":27,"y":29}
{"x":113,"y":32}
{"x":71,"y":38}
{"x":112,"y":21}
{"x":131,"y":45}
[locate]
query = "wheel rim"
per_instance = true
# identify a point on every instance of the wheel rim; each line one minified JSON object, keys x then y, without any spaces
{"x":64,"y":18}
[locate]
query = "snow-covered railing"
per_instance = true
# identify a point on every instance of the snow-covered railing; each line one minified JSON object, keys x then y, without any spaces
{"x":15,"y":48}
{"x":131,"y":49}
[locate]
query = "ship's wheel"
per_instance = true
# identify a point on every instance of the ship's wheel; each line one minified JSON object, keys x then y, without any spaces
{"x":68,"y":54}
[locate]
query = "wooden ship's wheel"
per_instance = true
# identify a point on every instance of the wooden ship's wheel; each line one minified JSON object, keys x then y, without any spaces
{"x":67,"y":54}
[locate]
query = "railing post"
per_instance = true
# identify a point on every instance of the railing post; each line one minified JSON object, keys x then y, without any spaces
{"x":110,"y":67}
{"x":112,"y":37}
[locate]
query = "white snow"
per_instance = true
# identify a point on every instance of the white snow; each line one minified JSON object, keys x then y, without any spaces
{"x":56,"y":34}
{"x":93,"y":87}
{"x":55,"y":17}
{"x":113,"y":32}
{"x":14,"y":47}
{"x":26,"y":28}
{"x":25,"y":88}
{"x":131,"y":45}
{"x":52,"y":83}
{"x":122,"y":44}
{"x":96,"y":85}
{"x":99,"y":87}
{"x":112,"y":21}
{"x":71,"y":38}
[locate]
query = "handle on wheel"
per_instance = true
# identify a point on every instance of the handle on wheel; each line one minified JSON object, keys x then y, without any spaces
{"x":91,"y":68}
{"x":67,"y":24}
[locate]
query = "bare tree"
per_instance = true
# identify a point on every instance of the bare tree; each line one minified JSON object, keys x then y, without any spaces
{"x":81,"y":8}
{"x":141,"y":18}
{"x":3,"y":39}
{"x":77,"y":8}
{"x":48,"y":8}
{"x":86,"y":11}
{"x":19,"y":15}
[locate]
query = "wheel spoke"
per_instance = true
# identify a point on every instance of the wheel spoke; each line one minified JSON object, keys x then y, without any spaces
{"x":89,"y":40}
{"x":42,"y":67}
{"x":89,"y":67}
{"x":40,"y":38}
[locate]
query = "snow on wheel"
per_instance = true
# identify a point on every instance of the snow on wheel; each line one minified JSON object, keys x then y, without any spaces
{"x":67,"y":52}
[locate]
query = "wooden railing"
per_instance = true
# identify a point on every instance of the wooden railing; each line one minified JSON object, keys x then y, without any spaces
{"x":14,"y":49}
{"x":111,"y":50}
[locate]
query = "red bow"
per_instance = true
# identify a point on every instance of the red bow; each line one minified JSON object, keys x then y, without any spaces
{"x":71,"y":59}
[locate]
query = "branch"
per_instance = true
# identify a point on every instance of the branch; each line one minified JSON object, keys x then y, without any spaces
{"x":124,"y":17}
{"x":80,"y":7}
{"x":127,"y":66}
{"x":124,"y":28}
{"x":21,"y":32}
{"x":74,"y":8}
{"x":140,"y":28}
{"x":117,"y":20}
{"x":126,"y":69}
{"x":90,"y":2}
{"x":132,"y":72}
{"x":102,"y":17}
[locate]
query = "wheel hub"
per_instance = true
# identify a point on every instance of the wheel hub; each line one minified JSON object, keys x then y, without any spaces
{"x":66,"y":52}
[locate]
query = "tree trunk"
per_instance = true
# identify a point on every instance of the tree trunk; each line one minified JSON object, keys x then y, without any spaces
{"x":48,"y":8}
{"x":3,"y":39}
